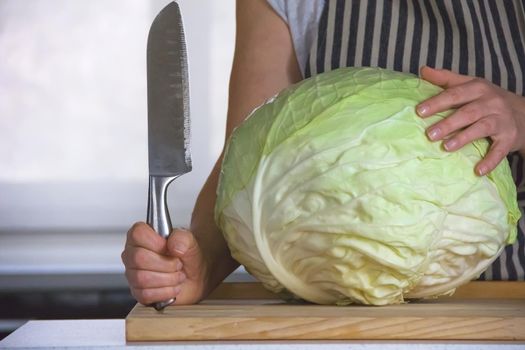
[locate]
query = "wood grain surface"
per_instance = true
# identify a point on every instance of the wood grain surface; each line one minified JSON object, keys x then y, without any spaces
{"x":482,"y":311}
{"x":475,"y":289}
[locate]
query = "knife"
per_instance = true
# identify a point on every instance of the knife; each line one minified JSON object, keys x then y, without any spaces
{"x":168,"y":116}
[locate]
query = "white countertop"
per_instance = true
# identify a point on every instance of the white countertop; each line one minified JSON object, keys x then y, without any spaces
{"x":109,"y":334}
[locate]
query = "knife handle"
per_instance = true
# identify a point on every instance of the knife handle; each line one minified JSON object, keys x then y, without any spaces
{"x":158,"y":214}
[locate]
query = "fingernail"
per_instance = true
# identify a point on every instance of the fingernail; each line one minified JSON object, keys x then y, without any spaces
{"x":450,"y":145}
{"x":433,"y":133}
{"x":179,"y":265}
{"x":180,"y":247}
{"x":176,"y":290}
{"x":182,"y":277}
{"x":482,"y":170}
{"x":422,"y":110}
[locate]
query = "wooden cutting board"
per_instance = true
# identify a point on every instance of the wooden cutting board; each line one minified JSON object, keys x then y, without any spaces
{"x":478,"y":311}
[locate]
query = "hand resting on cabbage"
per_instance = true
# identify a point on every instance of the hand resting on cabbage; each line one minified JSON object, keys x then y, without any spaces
{"x":482,"y":110}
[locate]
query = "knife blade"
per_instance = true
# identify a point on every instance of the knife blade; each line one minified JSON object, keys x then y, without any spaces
{"x":168,"y":115}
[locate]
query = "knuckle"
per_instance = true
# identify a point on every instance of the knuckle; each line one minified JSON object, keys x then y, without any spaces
{"x":453,"y":94}
{"x":513,"y":134}
{"x":138,"y":231}
{"x":492,"y":123}
{"x":132,"y":229}
{"x":487,"y":126}
{"x":498,"y":104}
{"x":134,"y":234}
{"x":481,"y":85}
{"x":469,"y":113}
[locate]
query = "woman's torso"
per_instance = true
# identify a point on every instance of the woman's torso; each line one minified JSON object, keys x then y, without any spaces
{"x":475,"y":37}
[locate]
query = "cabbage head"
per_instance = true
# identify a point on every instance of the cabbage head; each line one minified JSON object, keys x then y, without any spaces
{"x":331,"y":192}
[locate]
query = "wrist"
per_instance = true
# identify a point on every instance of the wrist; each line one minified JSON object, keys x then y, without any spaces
{"x":216,"y":258}
{"x":216,"y":272}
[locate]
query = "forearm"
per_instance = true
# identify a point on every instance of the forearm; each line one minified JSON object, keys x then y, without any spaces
{"x":264,"y":63}
{"x":218,"y":259}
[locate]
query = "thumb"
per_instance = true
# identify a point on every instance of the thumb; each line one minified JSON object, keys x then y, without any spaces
{"x":443,"y":77}
{"x":182,"y":244}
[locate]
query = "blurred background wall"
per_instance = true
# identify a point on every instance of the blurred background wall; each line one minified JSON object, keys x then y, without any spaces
{"x":73,"y":141}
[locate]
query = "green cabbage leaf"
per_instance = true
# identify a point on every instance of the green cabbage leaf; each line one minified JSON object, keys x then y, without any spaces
{"x":331,"y":192}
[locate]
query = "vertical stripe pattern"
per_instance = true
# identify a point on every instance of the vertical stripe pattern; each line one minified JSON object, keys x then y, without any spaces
{"x":482,"y":38}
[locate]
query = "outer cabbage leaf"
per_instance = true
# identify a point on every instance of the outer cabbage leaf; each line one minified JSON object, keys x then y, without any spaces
{"x":331,"y":192}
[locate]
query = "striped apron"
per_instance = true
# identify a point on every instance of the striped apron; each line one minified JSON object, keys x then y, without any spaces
{"x":473,"y":37}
